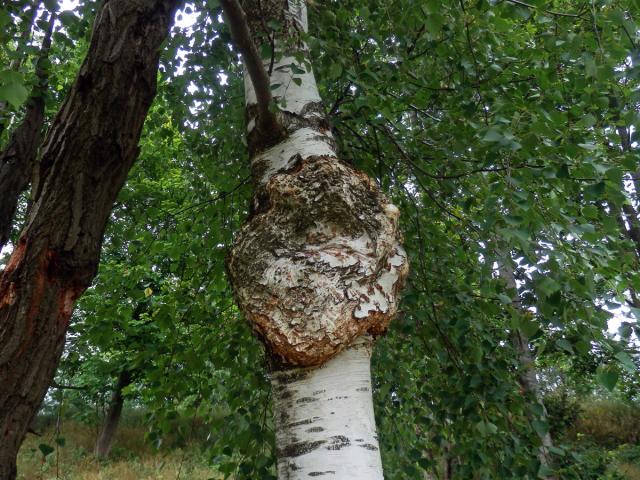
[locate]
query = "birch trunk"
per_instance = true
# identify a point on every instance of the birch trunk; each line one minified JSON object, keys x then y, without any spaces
{"x":324,"y":419}
{"x":318,"y":267}
{"x":527,"y":372}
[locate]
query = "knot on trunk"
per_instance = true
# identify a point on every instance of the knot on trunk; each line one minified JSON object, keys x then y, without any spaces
{"x":322,"y":265}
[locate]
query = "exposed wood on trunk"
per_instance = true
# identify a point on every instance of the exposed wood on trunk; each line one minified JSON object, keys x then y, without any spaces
{"x":86,"y":155}
{"x":17,"y":161}
{"x":112,"y":418}
{"x":320,"y":261}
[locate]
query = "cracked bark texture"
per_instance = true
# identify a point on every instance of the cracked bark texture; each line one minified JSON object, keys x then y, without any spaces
{"x":86,"y":155}
{"x":317,"y":269}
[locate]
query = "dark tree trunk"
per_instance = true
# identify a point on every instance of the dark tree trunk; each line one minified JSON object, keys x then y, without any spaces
{"x":18,"y":159}
{"x":86,"y":155}
{"x":111,"y":420}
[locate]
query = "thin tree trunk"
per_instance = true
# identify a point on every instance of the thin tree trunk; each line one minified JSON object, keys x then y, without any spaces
{"x":17,"y":161}
{"x":86,"y":155}
{"x":628,"y":215}
{"x":319,"y":262}
{"x":112,"y":419}
{"x":527,"y":371}
{"x":29,"y":19}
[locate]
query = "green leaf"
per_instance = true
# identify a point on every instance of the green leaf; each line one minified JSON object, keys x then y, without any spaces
{"x":45,"y":449}
{"x":540,"y":427}
{"x":548,"y":286}
{"x":506,"y":299}
{"x":486,"y":428}
{"x":265,"y":51}
{"x":626,"y":361}
{"x":588,"y":146}
{"x":564,"y":344}
{"x":335,"y":70}
{"x":529,"y":326}
{"x":607,"y":377}
{"x":14,"y":93}
{"x":492,"y":135}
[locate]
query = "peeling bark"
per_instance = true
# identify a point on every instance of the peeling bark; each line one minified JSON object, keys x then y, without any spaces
{"x":320,"y":261}
{"x":86,"y":156}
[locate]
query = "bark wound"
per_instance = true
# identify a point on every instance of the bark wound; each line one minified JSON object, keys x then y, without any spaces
{"x":322,"y":264}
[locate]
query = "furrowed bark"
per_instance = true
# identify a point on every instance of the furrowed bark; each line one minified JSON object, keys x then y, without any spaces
{"x":17,"y":161}
{"x":90,"y":147}
{"x":112,"y":419}
{"x":319,"y":263}
{"x":527,"y":372}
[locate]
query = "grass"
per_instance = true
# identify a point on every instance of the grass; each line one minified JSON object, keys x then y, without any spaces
{"x":131,"y":458}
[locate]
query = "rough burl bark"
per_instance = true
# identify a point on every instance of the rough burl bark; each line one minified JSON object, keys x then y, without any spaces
{"x":319,"y":263}
{"x":86,"y":155}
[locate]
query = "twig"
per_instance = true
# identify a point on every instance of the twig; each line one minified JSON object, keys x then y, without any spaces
{"x":550,"y":12}
{"x":239,"y":28}
{"x":55,"y":384}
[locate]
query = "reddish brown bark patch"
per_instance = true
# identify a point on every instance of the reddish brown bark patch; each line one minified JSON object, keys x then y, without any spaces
{"x":16,"y":257}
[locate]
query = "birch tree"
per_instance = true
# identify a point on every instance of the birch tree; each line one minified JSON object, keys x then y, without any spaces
{"x":318,"y":267}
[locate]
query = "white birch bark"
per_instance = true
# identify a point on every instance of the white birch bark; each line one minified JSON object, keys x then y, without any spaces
{"x":325,"y":426}
{"x":520,"y":343}
{"x":316,"y":271}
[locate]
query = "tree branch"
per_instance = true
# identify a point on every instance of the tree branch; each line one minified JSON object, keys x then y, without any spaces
{"x":55,"y":384}
{"x":549,"y":12}
{"x":241,"y":35}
